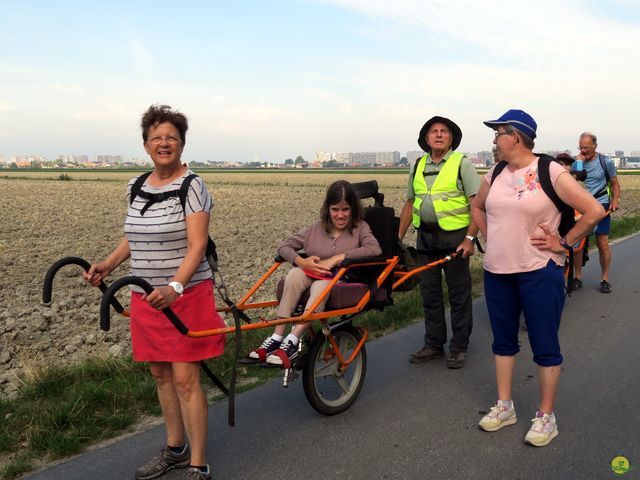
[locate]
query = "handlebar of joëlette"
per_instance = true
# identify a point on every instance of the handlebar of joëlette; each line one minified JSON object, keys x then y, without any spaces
{"x":51,"y":273}
{"x":109,"y":296}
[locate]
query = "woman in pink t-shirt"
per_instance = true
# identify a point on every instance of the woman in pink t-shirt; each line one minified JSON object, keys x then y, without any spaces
{"x":524,"y":265}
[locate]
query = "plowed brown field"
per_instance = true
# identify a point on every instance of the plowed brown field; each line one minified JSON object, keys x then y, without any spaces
{"x":44,"y":220}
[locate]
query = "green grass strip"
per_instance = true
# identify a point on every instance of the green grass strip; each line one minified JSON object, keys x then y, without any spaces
{"x":621,"y":227}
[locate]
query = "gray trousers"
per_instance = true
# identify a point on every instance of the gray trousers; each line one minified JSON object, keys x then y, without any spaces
{"x":295,"y":283}
{"x":458,"y":278}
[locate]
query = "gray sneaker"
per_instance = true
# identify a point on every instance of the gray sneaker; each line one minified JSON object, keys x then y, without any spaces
{"x":197,"y":474}
{"x":164,"y":461}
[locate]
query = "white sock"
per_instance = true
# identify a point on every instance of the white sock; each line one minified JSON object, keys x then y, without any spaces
{"x":292,"y":338}
{"x":507,"y":403}
{"x":277,"y":338}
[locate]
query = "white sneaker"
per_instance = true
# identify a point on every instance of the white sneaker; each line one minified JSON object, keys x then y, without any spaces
{"x":499,"y":416}
{"x":542,"y":431}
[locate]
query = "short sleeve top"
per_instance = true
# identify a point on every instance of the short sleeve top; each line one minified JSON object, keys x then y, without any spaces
{"x":596,"y":181}
{"x":516,"y":205}
{"x":158,"y":239}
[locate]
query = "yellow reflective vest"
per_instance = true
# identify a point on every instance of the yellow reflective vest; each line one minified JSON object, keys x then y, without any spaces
{"x":451,"y":205}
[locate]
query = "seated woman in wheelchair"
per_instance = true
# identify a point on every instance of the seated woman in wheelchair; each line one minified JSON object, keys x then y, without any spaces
{"x":339,"y":234}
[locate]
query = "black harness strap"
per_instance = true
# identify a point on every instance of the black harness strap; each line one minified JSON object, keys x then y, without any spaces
{"x":214,"y":379}
{"x":234,"y":372}
{"x":155,"y":198}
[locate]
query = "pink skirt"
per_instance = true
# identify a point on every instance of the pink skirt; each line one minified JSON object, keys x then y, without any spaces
{"x":155,"y":339}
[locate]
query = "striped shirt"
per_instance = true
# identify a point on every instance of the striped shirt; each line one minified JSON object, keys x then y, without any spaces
{"x":158,"y":240}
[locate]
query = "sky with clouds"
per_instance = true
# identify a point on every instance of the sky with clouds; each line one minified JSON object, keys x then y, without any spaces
{"x":269,"y":80}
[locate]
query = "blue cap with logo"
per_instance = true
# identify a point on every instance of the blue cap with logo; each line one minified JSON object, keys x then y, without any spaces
{"x":518,"y":119}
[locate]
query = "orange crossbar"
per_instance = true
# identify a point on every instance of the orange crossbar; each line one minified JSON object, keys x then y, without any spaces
{"x":404,"y":276}
{"x":364,"y":333}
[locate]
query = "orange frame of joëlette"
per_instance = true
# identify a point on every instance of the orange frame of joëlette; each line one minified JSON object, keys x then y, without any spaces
{"x":245,"y":304}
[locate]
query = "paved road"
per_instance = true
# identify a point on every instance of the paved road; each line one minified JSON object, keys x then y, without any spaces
{"x":420,"y":421}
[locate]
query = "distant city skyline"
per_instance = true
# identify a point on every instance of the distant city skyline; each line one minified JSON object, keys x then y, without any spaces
{"x":272,"y":79}
{"x":389,"y":158}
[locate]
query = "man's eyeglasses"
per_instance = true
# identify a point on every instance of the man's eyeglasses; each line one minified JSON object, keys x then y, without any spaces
{"x":159,"y":140}
{"x":497,"y":134}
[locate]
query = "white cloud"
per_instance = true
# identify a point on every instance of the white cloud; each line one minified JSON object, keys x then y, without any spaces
{"x":570,"y":66}
{"x":545,"y":33}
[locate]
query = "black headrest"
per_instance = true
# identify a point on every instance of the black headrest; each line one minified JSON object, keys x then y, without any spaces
{"x":382,"y":221}
{"x":368,"y":190}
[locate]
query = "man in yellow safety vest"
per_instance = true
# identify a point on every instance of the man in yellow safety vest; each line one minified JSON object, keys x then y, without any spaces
{"x":439,"y":190}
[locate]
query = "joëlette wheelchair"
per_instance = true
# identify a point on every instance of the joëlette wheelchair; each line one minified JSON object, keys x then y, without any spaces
{"x":334,"y":364}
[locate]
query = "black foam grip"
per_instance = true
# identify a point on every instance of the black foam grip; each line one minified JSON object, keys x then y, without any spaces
{"x":47,"y":288}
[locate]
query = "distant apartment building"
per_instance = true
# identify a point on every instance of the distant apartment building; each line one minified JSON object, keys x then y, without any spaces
{"x":363,"y":158}
{"x":359,"y":158}
{"x":413,"y":155}
{"x":341,"y":157}
{"x":387,"y":158}
{"x":619,"y":153}
{"x":323,"y":157}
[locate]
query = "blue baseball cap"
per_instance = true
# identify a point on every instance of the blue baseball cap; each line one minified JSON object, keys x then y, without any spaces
{"x":518,"y":119}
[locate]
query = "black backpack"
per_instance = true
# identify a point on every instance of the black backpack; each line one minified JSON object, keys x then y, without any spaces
{"x":567,"y":220}
{"x":182,"y":192}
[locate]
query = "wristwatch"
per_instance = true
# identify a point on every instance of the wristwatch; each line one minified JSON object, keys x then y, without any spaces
{"x":178,"y":287}
{"x":470,"y":238}
{"x":563,"y":242}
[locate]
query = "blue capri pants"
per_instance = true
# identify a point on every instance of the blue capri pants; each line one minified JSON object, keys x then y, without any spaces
{"x":540,"y":296}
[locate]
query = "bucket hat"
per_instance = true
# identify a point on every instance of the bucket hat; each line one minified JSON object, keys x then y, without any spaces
{"x":455,"y":131}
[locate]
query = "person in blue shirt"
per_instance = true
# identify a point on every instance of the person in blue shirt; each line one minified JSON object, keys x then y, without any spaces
{"x":602,"y":182}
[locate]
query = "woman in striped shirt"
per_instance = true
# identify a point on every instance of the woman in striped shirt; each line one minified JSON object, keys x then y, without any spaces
{"x":167,"y":244}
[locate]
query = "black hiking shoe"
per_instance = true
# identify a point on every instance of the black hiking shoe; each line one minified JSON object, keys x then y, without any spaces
{"x":425,"y":354}
{"x":456,"y":360}
{"x":605,"y":286}
{"x":164,"y":461}
{"x":577,"y":283}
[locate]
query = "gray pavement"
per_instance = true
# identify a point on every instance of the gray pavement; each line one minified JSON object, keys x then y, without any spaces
{"x":420,"y":421}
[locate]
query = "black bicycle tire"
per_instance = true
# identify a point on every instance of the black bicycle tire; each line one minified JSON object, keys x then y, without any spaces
{"x":309,"y":386}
